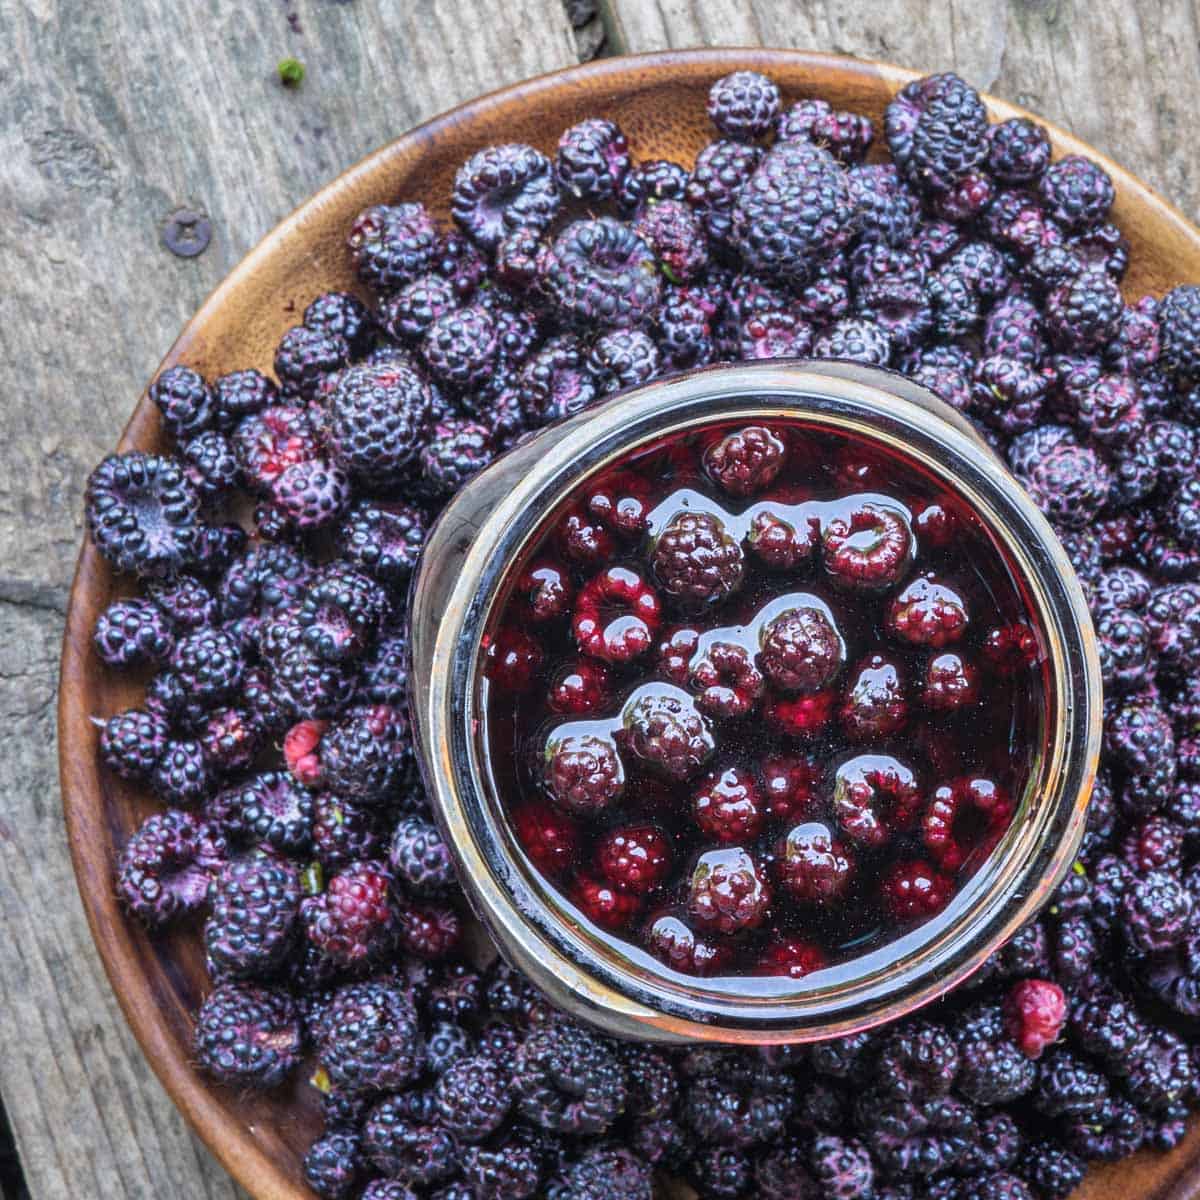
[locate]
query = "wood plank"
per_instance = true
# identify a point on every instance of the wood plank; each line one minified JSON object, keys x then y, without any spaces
{"x":1125,"y":78}
{"x":114,"y":115}
{"x":111,"y":116}
{"x":89,"y":1117}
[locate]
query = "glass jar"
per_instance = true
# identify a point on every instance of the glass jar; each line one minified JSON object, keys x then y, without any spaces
{"x":489,"y":523}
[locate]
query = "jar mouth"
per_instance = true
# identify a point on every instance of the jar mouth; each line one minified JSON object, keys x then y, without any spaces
{"x":621,"y":987}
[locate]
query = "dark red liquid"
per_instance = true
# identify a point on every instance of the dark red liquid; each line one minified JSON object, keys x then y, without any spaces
{"x":779,"y":736}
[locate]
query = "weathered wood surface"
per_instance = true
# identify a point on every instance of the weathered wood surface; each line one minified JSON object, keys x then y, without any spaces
{"x":1124,"y":77}
{"x":114,"y":114}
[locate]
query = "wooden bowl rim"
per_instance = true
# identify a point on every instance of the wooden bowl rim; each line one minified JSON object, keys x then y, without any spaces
{"x":200,"y":1101}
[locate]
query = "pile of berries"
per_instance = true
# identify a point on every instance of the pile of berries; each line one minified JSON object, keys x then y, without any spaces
{"x":330,"y":914}
{"x":753,"y":709}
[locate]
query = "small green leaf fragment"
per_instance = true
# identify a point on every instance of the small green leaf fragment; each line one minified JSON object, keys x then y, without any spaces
{"x":312,"y":879}
{"x":291,"y":72}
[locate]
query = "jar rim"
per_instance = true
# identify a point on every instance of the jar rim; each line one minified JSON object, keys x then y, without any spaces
{"x":582,"y":971}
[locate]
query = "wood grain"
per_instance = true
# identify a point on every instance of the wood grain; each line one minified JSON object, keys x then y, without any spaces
{"x":1123,"y":77}
{"x":112,"y":115}
{"x":659,"y":101}
{"x":119,"y":113}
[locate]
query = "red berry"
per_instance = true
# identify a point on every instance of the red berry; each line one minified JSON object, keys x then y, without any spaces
{"x":727,"y":806}
{"x":300,"y":751}
{"x":746,"y":461}
{"x":951,"y":682}
{"x":792,"y":957}
{"x":662,"y":728}
{"x":579,"y":687}
{"x":513,"y":660}
{"x":875,"y":705}
{"x":778,"y":543}
{"x":913,"y":890}
{"x":801,"y":716}
{"x":812,"y":865}
{"x":675,"y":651}
{"x":801,"y":649}
{"x":549,"y":589}
{"x":677,"y":944}
{"x":602,"y":903}
{"x":874,"y":796}
{"x":583,"y":770}
{"x":728,"y":683}
{"x":429,"y":931}
{"x":634,"y":858}
{"x":727,"y":891}
{"x":616,"y":615}
{"x":868,"y":547}
{"x":585,"y":541}
{"x":966,"y":814}
{"x":1034,"y":1014}
{"x":1011,"y":648}
{"x":547,"y":835}
{"x":697,"y":562}
{"x":927,"y":613}
{"x":790,"y":786}
{"x":621,"y":501}
{"x":936,"y":525}
{"x":353,"y":920}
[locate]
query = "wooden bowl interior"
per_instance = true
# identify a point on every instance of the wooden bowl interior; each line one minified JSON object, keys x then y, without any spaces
{"x":660,"y":101}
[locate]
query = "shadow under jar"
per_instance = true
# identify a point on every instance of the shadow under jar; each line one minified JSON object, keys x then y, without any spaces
{"x":753,"y":737}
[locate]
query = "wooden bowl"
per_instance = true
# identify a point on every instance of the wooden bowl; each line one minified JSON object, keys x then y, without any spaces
{"x":659,"y":100}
